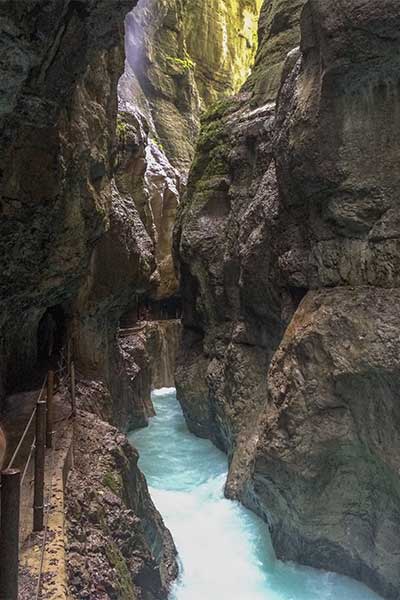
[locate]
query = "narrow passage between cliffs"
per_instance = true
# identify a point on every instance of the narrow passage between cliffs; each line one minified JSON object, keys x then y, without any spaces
{"x":225,"y":551}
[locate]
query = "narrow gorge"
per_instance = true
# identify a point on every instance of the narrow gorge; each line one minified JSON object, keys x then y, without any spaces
{"x":199,"y":234}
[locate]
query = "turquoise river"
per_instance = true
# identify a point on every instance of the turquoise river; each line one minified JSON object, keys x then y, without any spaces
{"x":224,"y":550}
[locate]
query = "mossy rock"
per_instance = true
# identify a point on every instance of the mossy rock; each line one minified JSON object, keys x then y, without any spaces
{"x":181,"y":65}
{"x":123,"y":580}
{"x":113,"y":482}
{"x":219,"y":109}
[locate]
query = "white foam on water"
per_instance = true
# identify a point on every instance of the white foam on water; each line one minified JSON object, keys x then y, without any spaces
{"x":163,"y":392}
{"x":225,"y":551}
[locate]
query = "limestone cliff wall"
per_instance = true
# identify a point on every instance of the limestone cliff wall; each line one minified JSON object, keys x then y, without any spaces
{"x":145,"y":174}
{"x":58,"y":119}
{"x":278,"y":33}
{"x":163,"y":342}
{"x":227,"y":240}
{"x":288,"y":250}
{"x":73,"y":241}
{"x":182,"y":56}
{"x":81,"y":196}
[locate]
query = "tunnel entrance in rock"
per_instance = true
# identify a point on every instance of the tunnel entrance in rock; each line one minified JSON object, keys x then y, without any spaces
{"x":297,"y":294}
{"x":148,"y":309}
{"x":163,"y":310}
{"x":51,"y":334}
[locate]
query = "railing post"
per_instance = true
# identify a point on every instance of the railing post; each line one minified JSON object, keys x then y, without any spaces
{"x":9,"y":533}
{"x":49,"y":412}
{"x":38,"y":499}
{"x":73,"y":395}
{"x":69,"y":356}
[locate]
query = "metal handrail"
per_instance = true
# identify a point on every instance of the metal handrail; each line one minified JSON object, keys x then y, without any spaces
{"x":28,"y":461}
{"x":22,"y":438}
{"x":11,"y":491}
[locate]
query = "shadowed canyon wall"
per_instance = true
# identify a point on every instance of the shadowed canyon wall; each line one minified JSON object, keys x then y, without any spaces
{"x":71,"y":240}
{"x":58,"y":121}
{"x":180,"y":56}
{"x":288,"y":248}
{"x":88,"y":203}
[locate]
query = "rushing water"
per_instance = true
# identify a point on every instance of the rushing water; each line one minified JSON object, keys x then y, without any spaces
{"x":225,"y":550}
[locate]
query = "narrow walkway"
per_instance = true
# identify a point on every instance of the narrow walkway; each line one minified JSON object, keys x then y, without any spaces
{"x":43,"y":554}
{"x":16,"y":414}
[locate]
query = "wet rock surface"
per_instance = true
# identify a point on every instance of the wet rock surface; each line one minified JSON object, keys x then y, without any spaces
{"x":288,"y":256}
{"x":145,"y":174}
{"x":180,"y":59}
{"x":278,"y":33}
{"x":118,"y":545}
{"x":232,"y":317}
{"x":162,"y":343}
{"x":336,"y":147}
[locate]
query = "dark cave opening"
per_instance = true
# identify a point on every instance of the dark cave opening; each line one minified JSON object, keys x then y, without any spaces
{"x":51,"y":334}
{"x":162,"y":310}
{"x":297,"y":294}
{"x":148,"y":309}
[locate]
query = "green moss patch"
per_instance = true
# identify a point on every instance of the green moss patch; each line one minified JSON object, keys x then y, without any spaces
{"x":123,"y":579}
{"x":113,"y":482}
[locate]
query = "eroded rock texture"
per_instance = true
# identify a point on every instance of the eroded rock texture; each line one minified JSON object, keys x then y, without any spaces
{"x":82,"y":196}
{"x":326,"y":468}
{"x":337,"y":148}
{"x":288,"y":249}
{"x":73,"y":245}
{"x":60,"y":68}
{"x":118,"y":544}
{"x":227,"y":270}
{"x":278,"y":33}
{"x":163,"y":342}
{"x":180,"y":57}
{"x":145,"y":174}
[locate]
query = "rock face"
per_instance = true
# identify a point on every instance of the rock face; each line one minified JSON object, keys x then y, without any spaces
{"x":326,"y":466}
{"x":76,"y":237}
{"x":225,"y":256}
{"x":182,"y":56}
{"x":122,"y":265}
{"x":163,"y":341}
{"x":179,"y":59}
{"x":335,"y":103}
{"x":145,"y":174}
{"x":288,"y":250}
{"x":278,"y":33}
{"x":57,"y":126}
{"x":118,"y":544}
